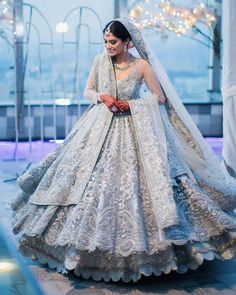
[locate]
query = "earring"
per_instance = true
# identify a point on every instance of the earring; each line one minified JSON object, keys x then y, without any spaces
{"x":125,"y":48}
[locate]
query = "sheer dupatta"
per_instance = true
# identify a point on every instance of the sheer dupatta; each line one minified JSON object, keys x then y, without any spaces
{"x":198,"y":155}
{"x":152,"y":124}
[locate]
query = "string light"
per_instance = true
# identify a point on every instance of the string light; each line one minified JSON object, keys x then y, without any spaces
{"x":7,"y":21}
{"x":6,"y":13}
{"x":165,"y":16}
{"x":62,"y":27}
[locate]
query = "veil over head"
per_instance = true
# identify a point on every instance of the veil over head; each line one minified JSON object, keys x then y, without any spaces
{"x":201,"y":159}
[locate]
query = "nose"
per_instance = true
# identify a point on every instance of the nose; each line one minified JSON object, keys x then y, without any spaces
{"x":108,"y":45}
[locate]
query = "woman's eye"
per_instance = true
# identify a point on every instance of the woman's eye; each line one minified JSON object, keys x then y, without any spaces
{"x":112,"y":42}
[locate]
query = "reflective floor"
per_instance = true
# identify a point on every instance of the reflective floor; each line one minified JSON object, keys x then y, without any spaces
{"x":15,"y":278}
{"x":213,"y":277}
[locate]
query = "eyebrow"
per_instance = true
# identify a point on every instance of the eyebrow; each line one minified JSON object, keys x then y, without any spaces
{"x":110,"y":40}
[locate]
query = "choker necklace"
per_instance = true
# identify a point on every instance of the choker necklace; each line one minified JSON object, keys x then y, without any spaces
{"x":121,"y":68}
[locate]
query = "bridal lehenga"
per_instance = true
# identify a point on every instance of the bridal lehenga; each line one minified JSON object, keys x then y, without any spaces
{"x":130,"y":193}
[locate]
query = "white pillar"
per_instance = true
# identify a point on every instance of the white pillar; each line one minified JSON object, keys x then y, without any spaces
{"x":229,"y":85}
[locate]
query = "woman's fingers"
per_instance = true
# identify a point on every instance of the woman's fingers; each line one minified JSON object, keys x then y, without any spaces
{"x":115,"y":106}
{"x":123,"y":105}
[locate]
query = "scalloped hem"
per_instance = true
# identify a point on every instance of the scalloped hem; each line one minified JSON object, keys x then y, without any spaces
{"x":146,"y":271}
{"x":60,"y":264}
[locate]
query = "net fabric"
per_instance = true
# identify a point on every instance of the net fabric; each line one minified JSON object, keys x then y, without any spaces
{"x":198,"y":155}
{"x":91,"y":89}
{"x":105,"y":200}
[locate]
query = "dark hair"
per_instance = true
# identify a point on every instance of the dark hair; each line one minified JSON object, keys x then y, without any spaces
{"x":118,"y":30}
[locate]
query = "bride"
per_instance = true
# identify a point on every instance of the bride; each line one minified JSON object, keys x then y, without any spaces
{"x":134,"y":189}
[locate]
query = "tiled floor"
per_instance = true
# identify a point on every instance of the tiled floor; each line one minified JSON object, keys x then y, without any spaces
{"x":213,"y":277}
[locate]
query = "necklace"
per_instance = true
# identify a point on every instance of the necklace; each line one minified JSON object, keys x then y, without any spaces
{"x":121,"y":68}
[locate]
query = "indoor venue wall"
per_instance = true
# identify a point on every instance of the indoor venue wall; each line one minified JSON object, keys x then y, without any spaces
{"x":208,"y":117}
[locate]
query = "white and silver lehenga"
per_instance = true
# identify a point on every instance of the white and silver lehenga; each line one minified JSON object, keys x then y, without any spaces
{"x":122,"y":196}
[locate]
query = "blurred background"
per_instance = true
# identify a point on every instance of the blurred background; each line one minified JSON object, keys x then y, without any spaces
{"x":47,"y":49}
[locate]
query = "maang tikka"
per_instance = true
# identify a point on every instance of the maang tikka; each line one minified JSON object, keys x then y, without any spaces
{"x":107,"y":31}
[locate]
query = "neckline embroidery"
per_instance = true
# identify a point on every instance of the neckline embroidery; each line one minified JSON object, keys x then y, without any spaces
{"x":132,"y":74}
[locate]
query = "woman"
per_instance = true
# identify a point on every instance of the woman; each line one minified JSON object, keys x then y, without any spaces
{"x":133,"y":189}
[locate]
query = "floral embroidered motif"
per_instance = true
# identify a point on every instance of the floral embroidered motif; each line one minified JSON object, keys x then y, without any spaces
{"x":118,"y":199}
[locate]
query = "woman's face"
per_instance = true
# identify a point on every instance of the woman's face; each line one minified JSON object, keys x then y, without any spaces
{"x":114,"y":45}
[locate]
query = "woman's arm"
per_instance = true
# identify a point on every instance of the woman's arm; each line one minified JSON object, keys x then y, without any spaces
{"x":151,"y":80}
{"x":90,"y":91}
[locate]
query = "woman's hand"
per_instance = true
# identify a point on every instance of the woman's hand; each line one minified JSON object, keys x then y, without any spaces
{"x":122,"y":105}
{"x":109,"y":101}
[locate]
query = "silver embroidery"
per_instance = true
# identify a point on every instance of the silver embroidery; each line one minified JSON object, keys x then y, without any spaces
{"x":102,"y":204}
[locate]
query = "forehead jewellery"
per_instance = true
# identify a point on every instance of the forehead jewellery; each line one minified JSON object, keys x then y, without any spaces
{"x":107,"y":31}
